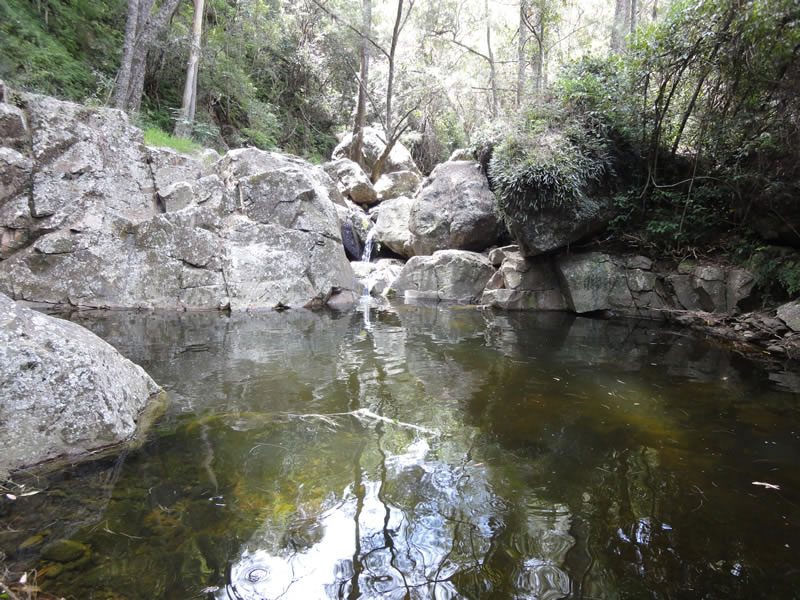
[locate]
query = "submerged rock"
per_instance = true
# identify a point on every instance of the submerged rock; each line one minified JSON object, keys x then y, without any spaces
{"x":455,"y":209}
{"x":65,"y":391}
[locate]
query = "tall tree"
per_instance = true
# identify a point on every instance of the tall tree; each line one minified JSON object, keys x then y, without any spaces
{"x":393,"y":130}
{"x":490,"y":58}
{"x":141,"y":29}
{"x":183,"y":126}
{"x":619,"y":26}
{"x":522,"y":53}
{"x":363,"y":79}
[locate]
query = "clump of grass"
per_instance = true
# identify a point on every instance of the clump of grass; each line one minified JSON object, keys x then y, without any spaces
{"x":154,"y":136}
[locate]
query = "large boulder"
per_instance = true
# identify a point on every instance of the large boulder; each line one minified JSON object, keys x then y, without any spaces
{"x":552,"y":227}
{"x":351,"y":180}
{"x":110,"y":223}
{"x":391,"y":228}
{"x":455,"y":209}
{"x":447,"y":275}
{"x":65,"y":391}
{"x":372,"y":148}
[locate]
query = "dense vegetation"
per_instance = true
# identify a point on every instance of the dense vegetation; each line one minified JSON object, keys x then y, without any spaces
{"x":687,"y":111}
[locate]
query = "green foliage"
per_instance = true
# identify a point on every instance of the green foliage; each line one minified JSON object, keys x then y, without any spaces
{"x":672,"y":221}
{"x":777,"y":271}
{"x":551,"y":158}
{"x":69,"y":49}
{"x":154,"y":136}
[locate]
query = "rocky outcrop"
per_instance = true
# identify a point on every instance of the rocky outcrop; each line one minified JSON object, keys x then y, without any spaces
{"x":351,"y":180}
{"x":399,"y":159}
{"x":523,"y":283}
{"x":391,"y":227}
{"x":104,"y":221}
{"x":455,"y":209}
{"x":447,"y":275}
{"x":65,"y":391}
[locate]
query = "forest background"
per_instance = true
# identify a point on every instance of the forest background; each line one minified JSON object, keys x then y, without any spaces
{"x":687,"y":112}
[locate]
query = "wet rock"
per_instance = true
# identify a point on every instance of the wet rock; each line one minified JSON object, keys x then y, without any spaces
{"x":399,"y":159}
{"x":64,"y":551}
{"x":455,"y":209}
{"x":65,"y":391}
{"x":376,"y":278}
{"x":355,"y":226}
{"x":392,"y":225}
{"x":351,"y":180}
{"x":448,"y":275}
{"x":396,"y":184}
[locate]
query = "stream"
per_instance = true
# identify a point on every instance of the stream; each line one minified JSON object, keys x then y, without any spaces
{"x":411,"y":452}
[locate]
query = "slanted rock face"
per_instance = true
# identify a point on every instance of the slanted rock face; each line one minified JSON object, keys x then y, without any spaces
{"x":455,"y":209}
{"x":448,"y":275}
{"x":400,"y":158}
{"x":351,"y":180}
{"x":391,"y":228}
{"x":112,"y":224}
{"x":65,"y":391}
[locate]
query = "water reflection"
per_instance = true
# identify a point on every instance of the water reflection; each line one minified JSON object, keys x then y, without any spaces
{"x":427,"y":452}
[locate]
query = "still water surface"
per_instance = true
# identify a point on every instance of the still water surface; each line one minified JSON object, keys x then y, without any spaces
{"x":423,"y":452}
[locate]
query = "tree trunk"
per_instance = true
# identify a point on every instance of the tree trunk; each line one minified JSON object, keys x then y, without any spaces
{"x":521,"y":51}
{"x":361,"y":108}
{"x":183,"y":127}
{"x":490,"y":55}
{"x":618,"y":28}
{"x":633,"y":17}
{"x":141,"y":30}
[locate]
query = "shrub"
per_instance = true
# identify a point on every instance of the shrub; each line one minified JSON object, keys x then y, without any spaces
{"x":549,"y":159}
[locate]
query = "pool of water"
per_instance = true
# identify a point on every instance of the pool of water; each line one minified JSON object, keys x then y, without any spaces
{"x":428,"y":452}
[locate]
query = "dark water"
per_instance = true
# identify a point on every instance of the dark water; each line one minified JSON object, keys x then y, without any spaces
{"x":416,"y":452}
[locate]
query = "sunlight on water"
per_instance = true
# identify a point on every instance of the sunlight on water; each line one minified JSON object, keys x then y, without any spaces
{"x":428,"y":453}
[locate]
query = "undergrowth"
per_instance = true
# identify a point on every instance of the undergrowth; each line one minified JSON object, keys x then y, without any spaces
{"x":154,"y":136}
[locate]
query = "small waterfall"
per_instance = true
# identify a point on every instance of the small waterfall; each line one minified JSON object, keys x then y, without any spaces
{"x":369,"y":245}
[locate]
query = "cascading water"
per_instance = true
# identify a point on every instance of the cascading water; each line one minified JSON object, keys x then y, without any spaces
{"x":369,"y":245}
